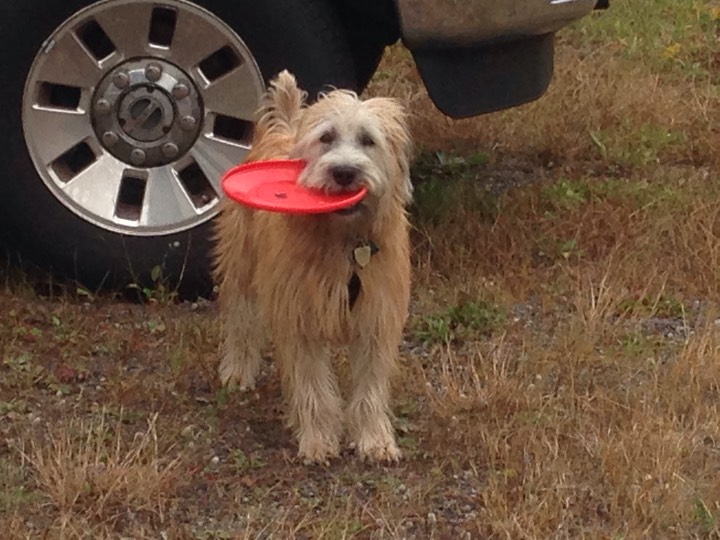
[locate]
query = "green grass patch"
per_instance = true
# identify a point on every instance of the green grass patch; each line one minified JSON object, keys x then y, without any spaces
{"x":668,"y":36}
{"x":567,"y":196}
{"x":661,"y":306}
{"x":466,"y":321}
{"x":449,"y":187}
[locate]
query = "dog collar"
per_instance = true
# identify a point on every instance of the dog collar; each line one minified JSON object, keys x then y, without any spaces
{"x":361,"y":255}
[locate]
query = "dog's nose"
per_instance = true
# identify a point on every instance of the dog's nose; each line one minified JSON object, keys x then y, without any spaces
{"x":344,"y":175}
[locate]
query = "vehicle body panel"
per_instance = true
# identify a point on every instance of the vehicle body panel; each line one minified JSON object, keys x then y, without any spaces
{"x":461,"y":23}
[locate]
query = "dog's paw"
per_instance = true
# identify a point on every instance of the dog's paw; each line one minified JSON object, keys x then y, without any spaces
{"x":320,"y":451}
{"x":232,"y":374}
{"x":378,"y":449}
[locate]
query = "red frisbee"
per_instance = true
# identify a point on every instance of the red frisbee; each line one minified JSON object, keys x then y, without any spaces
{"x":272,"y":185}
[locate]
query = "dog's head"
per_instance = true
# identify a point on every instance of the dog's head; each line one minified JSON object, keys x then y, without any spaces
{"x":349,"y":143}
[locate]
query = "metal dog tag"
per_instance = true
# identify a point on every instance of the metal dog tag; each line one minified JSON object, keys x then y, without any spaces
{"x":362,"y":255}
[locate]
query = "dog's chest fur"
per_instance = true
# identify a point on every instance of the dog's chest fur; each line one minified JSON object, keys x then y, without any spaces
{"x":303,"y":278}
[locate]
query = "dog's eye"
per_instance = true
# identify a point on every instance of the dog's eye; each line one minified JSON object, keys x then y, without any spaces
{"x":328,"y":137}
{"x":366,"y":140}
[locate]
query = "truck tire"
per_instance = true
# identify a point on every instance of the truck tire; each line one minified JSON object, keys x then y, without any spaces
{"x":120,"y":116}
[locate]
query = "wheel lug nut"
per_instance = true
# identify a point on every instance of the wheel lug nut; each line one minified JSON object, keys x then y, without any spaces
{"x":188,"y":122}
{"x":137,"y":156}
{"x":103,"y":106}
{"x":153,"y":72}
{"x":109,"y":138}
{"x":121,"y":79}
{"x":180,"y":91}
{"x":170,"y":150}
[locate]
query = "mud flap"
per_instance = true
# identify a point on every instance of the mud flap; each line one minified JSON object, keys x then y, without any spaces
{"x":470,"y":81}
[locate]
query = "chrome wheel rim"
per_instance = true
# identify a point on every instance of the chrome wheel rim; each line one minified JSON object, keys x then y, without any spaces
{"x":133,"y":110}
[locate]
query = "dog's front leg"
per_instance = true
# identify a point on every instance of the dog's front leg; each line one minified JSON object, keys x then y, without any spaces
{"x":368,"y":413}
{"x":241,"y":349}
{"x":312,"y":394}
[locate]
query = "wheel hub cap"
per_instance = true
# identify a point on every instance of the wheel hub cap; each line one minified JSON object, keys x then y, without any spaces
{"x":146,"y":112}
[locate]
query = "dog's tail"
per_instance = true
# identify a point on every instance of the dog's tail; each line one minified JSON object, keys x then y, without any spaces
{"x":280,"y":107}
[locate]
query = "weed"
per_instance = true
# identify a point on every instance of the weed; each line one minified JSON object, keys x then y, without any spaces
{"x":15,"y":405}
{"x":553,"y":249}
{"x":636,"y":345}
{"x":704,"y":517}
{"x":155,"y":325}
{"x":470,"y":320}
{"x":661,"y":306}
{"x":14,"y":489}
{"x":159,"y":292}
{"x":564,"y":195}
{"x":444,"y":192}
{"x":20,"y":371}
{"x":222,"y":396}
{"x":243,"y":462}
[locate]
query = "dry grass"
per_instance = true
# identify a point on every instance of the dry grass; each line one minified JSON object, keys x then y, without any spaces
{"x":96,"y":476}
{"x":594,"y":414}
{"x":560,"y":377}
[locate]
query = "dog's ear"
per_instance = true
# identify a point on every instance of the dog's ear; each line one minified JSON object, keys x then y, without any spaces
{"x":281,"y":106}
{"x":394,"y":123}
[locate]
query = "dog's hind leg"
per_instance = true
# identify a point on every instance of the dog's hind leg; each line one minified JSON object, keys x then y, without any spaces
{"x":368,"y":412}
{"x":313,"y":398}
{"x":244,"y":338}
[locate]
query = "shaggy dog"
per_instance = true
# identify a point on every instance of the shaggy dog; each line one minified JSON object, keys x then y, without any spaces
{"x":314,"y":282}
